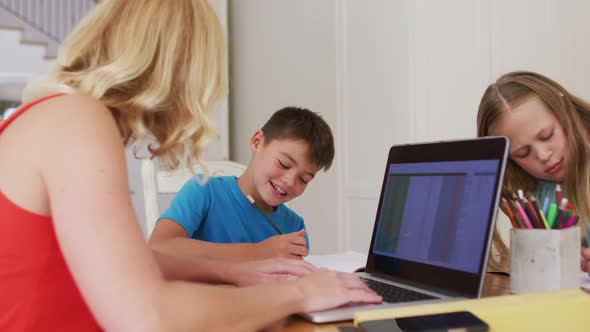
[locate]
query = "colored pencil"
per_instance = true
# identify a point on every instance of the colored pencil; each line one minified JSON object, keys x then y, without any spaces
{"x":545,"y":205}
{"x":508,"y":212}
{"x":266,"y":217}
{"x":564,"y":218}
{"x":523,"y":215}
{"x":571,"y":221}
{"x":532,"y":214}
{"x":539,"y":212}
{"x":551,"y":214}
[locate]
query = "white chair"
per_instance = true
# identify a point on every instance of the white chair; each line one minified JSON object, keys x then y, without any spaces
{"x":157,"y":182}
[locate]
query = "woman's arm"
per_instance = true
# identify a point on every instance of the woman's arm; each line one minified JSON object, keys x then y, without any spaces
{"x":252,"y":308}
{"x":247,"y":273}
{"x":80,"y":159}
{"x":170,"y":238}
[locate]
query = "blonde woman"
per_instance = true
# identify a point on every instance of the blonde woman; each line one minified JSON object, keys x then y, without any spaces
{"x":72,"y":256}
{"x":549,"y":131}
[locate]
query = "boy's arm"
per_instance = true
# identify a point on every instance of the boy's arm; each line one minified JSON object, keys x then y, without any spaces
{"x":170,"y":238}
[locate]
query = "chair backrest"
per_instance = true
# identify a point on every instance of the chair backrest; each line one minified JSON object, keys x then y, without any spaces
{"x":157,"y":182}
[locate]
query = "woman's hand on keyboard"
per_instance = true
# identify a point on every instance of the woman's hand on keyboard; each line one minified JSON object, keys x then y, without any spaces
{"x":325,"y":289}
{"x":268,"y":271}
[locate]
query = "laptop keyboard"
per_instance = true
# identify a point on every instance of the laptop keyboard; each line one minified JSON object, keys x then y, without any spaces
{"x":394,"y":294}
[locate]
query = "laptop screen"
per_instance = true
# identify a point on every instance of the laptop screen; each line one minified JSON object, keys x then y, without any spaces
{"x":436,"y":212}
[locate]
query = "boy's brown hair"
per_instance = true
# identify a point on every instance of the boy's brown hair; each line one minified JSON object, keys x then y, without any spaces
{"x":297,"y":123}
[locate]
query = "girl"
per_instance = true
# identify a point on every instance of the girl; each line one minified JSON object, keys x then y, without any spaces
{"x":72,"y":255}
{"x":549,"y":132}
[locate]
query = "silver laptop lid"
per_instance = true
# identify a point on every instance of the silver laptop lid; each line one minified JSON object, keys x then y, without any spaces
{"x":436,"y":214}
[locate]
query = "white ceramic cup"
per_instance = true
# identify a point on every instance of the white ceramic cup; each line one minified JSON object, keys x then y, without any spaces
{"x":544,"y":260}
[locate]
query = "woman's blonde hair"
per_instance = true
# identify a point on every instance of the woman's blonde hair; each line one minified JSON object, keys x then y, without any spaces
{"x":513,"y":89}
{"x":159,"y":66}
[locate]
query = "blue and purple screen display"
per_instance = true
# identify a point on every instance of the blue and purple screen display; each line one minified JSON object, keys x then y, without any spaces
{"x":437,"y":213}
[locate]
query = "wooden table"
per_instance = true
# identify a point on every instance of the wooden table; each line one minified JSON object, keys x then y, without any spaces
{"x":494,"y":285}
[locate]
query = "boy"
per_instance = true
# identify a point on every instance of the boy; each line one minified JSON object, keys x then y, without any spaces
{"x":245,"y":218}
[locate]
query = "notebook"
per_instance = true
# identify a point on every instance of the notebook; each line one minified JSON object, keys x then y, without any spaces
{"x":560,"y":310}
{"x":434,"y":224}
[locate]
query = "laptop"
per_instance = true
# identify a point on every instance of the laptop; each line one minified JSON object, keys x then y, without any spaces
{"x":434,"y":224}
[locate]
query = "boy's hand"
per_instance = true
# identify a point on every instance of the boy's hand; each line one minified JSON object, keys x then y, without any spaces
{"x":267,"y":271}
{"x":292,"y":245}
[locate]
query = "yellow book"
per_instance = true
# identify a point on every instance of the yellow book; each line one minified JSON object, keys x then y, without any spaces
{"x":564,"y":310}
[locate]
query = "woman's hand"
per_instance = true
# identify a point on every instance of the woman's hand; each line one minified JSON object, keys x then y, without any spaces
{"x":325,"y":289}
{"x":267,"y":271}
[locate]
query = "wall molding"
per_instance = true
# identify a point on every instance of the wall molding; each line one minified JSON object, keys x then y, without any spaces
{"x":342,"y":215}
{"x":12,"y":78}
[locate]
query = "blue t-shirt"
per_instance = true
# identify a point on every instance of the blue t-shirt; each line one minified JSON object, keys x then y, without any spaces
{"x":218,"y":211}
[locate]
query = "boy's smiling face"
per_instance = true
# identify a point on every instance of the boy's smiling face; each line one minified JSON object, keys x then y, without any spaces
{"x":278,"y":171}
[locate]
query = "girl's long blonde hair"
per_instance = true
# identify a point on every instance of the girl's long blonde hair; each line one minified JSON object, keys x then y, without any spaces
{"x":159,"y":66}
{"x":513,"y":89}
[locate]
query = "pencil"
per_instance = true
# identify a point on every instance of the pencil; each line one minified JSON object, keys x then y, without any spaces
{"x":539,"y":212}
{"x":570,"y":222}
{"x":563,"y":204}
{"x":508,"y":212}
{"x":516,"y":215}
{"x":561,"y":212}
{"x":523,"y":215}
{"x":545,"y":205}
{"x":532,"y":214}
{"x":253,"y":202}
{"x":551,"y":214}
{"x":520,"y":196}
{"x":564,"y":218}
{"x":558,"y":194}
{"x":558,"y":216}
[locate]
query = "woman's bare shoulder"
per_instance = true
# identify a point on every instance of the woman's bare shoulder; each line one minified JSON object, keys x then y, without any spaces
{"x":72,"y":114}
{"x":76,"y":106}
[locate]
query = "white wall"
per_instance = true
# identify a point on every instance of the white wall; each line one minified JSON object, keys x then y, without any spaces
{"x":282,"y":54}
{"x":385,"y":72}
{"x":18,"y":63}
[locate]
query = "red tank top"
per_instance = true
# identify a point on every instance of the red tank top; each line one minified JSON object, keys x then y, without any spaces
{"x":37,"y":291}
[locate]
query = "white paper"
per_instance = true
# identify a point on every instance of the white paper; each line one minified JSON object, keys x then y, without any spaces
{"x":344,"y":262}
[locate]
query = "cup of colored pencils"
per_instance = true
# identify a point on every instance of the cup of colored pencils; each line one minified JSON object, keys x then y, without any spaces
{"x":525,"y":211}
{"x":544,"y":242}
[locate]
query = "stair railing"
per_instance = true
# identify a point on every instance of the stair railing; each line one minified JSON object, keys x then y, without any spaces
{"x":53,"y":19}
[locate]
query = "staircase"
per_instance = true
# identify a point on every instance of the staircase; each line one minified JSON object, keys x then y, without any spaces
{"x":44,"y":22}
